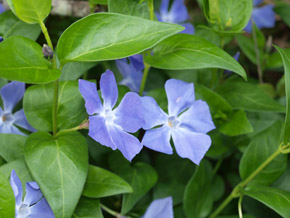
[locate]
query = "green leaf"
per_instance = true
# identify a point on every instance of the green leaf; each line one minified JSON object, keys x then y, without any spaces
{"x":95,"y":2}
{"x":88,"y":208}
{"x":282,"y":9}
{"x":59,"y":166}
{"x":102,"y":183}
{"x":21,"y":59}
{"x":110,"y":36}
{"x":262,"y":146}
{"x":141,"y":176}
{"x":7,"y":199}
{"x":237,"y":124}
{"x":10,"y":25}
{"x":74,"y":70}
{"x":32,"y":11}
{"x":274,"y":60}
{"x":12,"y":146}
{"x":249,"y":97}
{"x":276,"y":199}
{"x":286,"y":61}
{"x":129,"y":7}
{"x":183,"y":51}
{"x":38,"y":102}
{"x":198,"y":199}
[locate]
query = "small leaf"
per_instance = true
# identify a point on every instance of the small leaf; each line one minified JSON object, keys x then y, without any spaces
{"x":88,"y":208}
{"x":183,"y":51}
{"x":110,"y":36}
{"x":102,"y":183}
{"x":21,"y":59}
{"x":12,"y":146}
{"x":7,"y":199}
{"x":59,"y":166}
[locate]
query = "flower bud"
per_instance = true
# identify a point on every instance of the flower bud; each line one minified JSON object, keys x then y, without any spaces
{"x":47,"y":52}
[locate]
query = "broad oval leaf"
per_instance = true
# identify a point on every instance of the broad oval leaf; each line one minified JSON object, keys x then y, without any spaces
{"x":88,"y":208}
{"x":38,"y":103}
{"x":102,"y":183}
{"x":276,"y":199}
{"x":184,"y":51}
{"x":11,"y":146}
{"x":7,"y":199}
{"x":109,"y":36}
{"x":32,"y":11}
{"x":59,"y":166}
{"x":21,"y":59}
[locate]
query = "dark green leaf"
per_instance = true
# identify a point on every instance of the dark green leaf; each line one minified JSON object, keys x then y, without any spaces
{"x":275,"y":61}
{"x":88,"y":208}
{"x":21,"y":59}
{"x":282,"y":9}
{"x":110,"y":36}
{"x":11,"y":146}
{"x":102,"y":183}
{"x":183,"y":51}
{"x":59,"y":166}
{"x":38,"y":102}
{"x":7,"y":199}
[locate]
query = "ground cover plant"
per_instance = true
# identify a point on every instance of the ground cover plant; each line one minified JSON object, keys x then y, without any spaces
{"x":144,"y":108}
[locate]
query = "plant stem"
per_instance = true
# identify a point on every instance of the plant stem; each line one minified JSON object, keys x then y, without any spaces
{"x":258,"y":59}
{"x":151,"y":9}
{"x":236,"y":191}
{"x":109,"y":211}
{"x":144,"y":79}
{"x":240,"y":206}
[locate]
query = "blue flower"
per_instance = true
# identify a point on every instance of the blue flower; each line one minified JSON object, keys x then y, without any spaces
{"x":132,"y":72}
{"x":11,"y":94}
{"x":161,"y":208}
{"x":263,"y":17}
{"x":34,"y":204}
{"x":1,"y":39}
{"x":177,"y":14}
{"x":110,"y":126}
{"x":2,"y":9}
{"x":187,"y":122}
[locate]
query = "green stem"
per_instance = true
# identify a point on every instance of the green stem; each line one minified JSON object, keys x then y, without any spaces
{"x":240,"y":206}
{"x":217,"y":166}
{"x":109,"y":211}
{"x":258,"y":59}
{"x":151,"y":9}
{"x":144,"y":79}
{"x":236,"y":191}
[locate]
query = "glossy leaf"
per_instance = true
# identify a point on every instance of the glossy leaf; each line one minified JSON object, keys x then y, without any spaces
{"x":262,"y":146}
{"x":276,"y":199}
{"x":7,"y":199}
{"x":21,"y":59}
{"x":59,"y":166}
{"x":102,"y":183}
{"x":183,"y":51}
{"x":38,"y":102}
{"x":88,"y":208}
{"x":286,"y":61}
{"x":108,"y":36}
{"x":74,"y":70}
{"x":11,"y":146}
{"x":32,"y":11}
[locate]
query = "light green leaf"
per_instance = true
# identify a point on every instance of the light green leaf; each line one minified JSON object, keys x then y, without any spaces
{"x":262,"y":146}
{"x":102,"y":183}
{"x":7,"y":199}
{"x":74,"y":70}
{"x":32,"y":11}
{"x":11,"y":146}
{"x":276,"y":199}
{"x":38,"y":102}
{"x":286,"y":61}
{"x":88,"y":208}
{"x":183,"y":51}
{"x":59,"y":166}
{"x":21,"y":59}
{"x":110,"y":36}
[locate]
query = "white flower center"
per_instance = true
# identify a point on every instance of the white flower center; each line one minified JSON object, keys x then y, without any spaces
{"x":7,"y":118}
{"x":167,"y":18}
{"x":24,"y":211}
{"x":109,"y":115}
{"x":173,"y":122}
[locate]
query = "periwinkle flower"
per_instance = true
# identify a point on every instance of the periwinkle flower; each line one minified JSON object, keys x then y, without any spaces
{"x":34,"y":204}
{"x":177,"y":14}
{"x":11,"y":94}
{"x":132,"y":72}
{"x":2,"y":9}
{"x":263,"y":17}
{"x":187,"y":122}
{"x":108,"y":126}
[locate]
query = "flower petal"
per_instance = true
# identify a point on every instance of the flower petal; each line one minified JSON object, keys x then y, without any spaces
{"x":21,"y":121}
{"x":109,"y":89}
{"x":164,"y":7}
{"x":189,"y":28}
{"x":33,"y":193}
{"x":158,"y":139}
{"x":161,"y":208}
{"x":180,"y":96}
{"x":264,"y":17}
{"x":16,"y":187}
{"x":128,"y":144}
{"x":178,"y":11}
{"x":153,"y":114}
{"x":198,"y":118}
{"x":248,"y":28}
{"x":99,"y":132}
{"x":137,"y":62}
{"x":129,"y":114}
{"x":190,"y":145}
{"x":89,"y":92}
{"x":41,"y":209}
{"x":2,"y":9}
{"x":11,"y":94}
{"x":257,"y":2}
{"x":10,"y":129}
